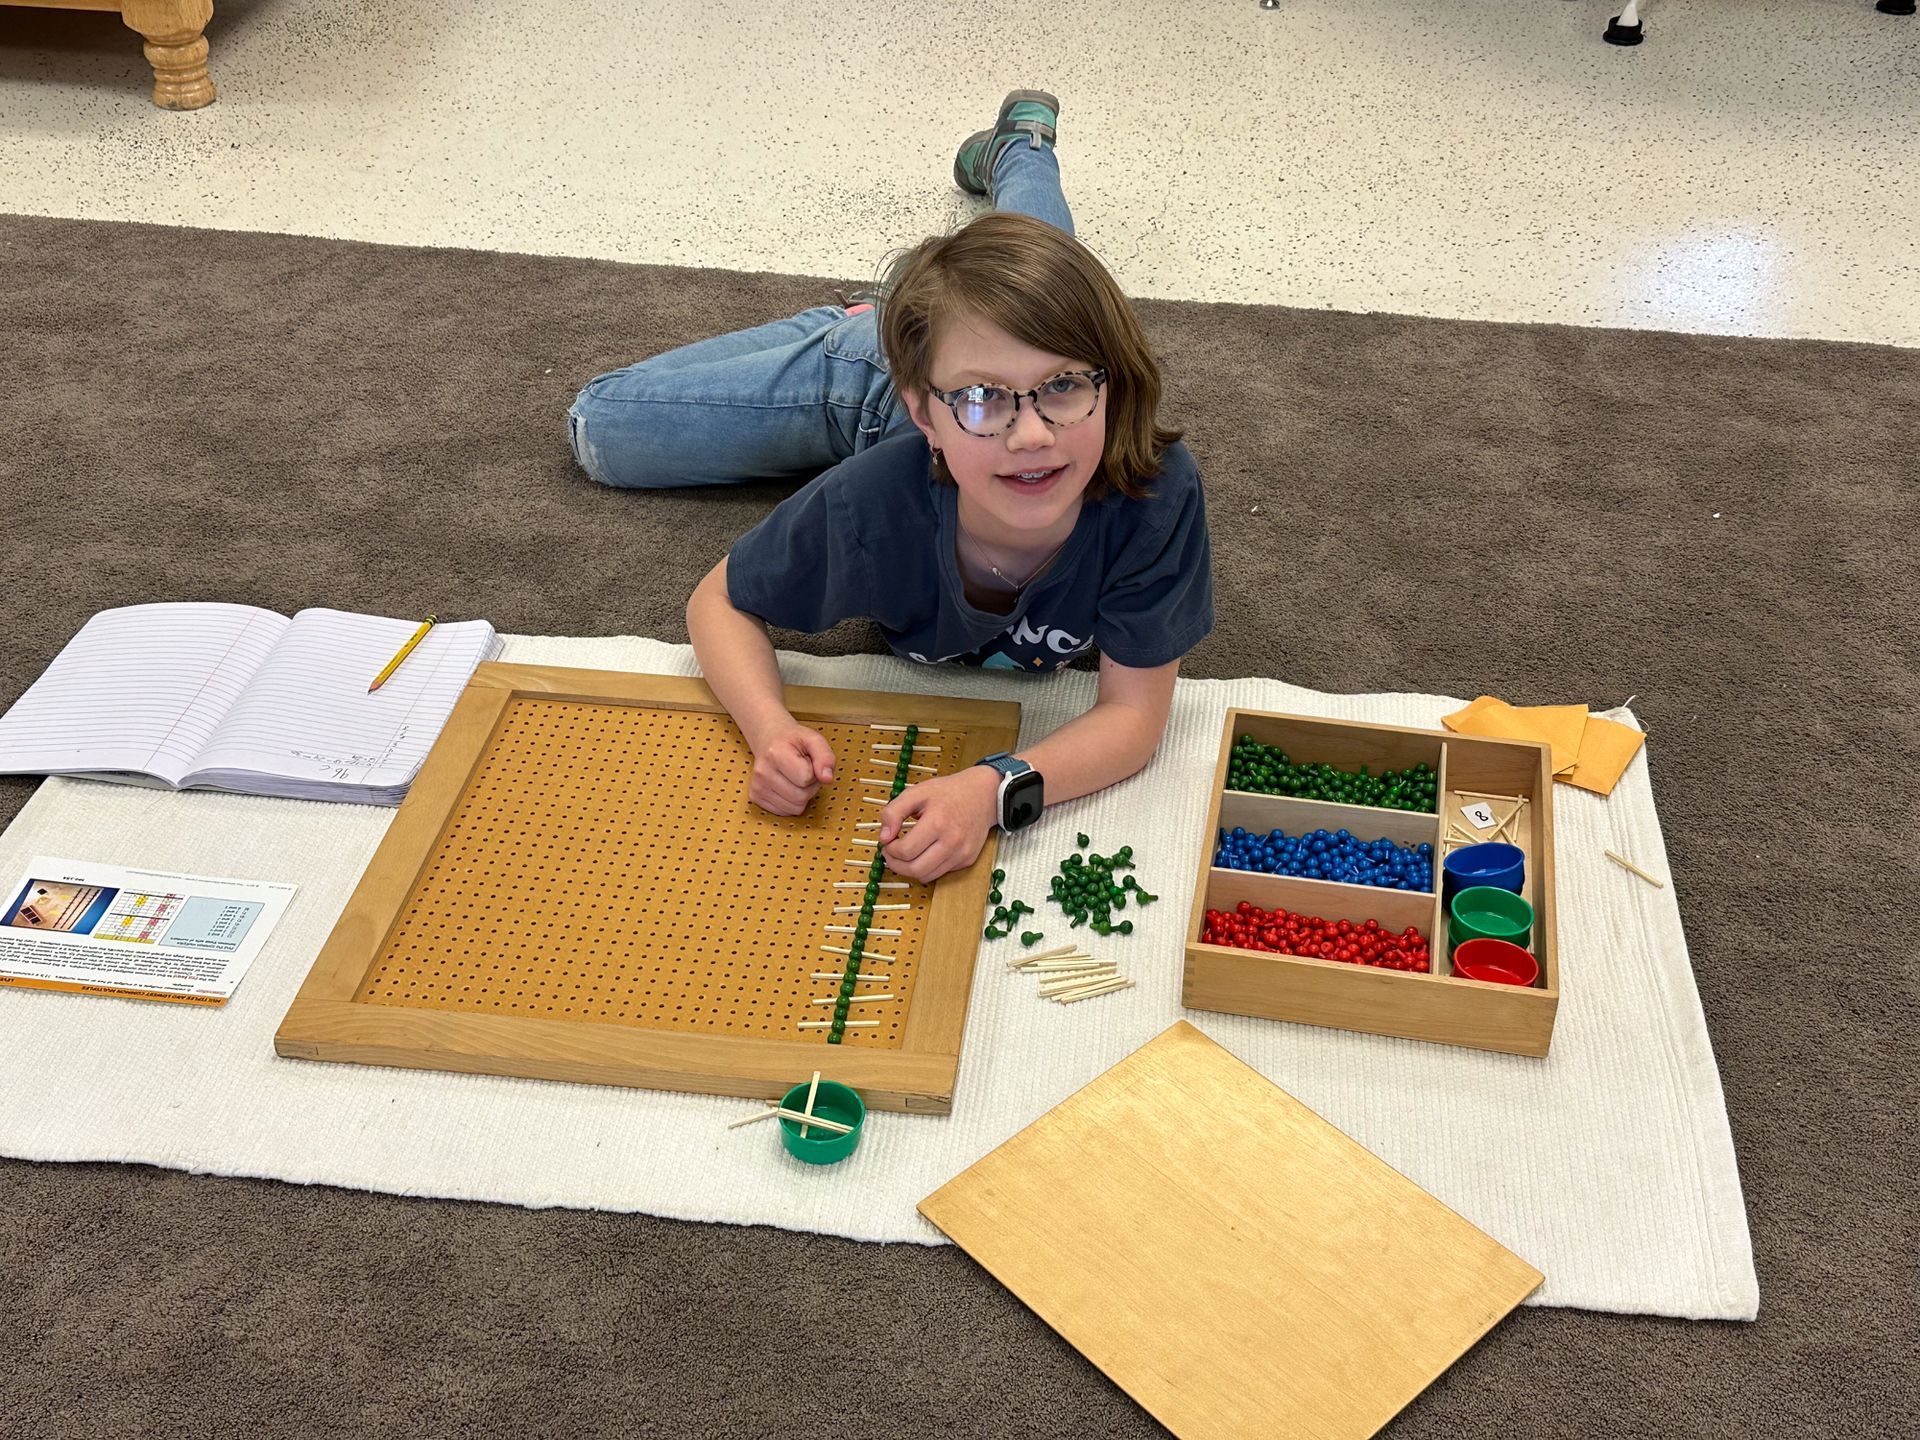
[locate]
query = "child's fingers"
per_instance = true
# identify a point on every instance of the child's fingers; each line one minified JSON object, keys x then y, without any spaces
{"x":793,"y":764}
{"x":902,"y":808}
{"x":929,"y":862}
{"x":777,"y":797}
{"x":819,"y":755}
{"x":783,"y":782}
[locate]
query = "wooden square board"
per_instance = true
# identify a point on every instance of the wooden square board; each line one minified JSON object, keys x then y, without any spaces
{"x":577,"y":888}
{"x":1228,"y":1258}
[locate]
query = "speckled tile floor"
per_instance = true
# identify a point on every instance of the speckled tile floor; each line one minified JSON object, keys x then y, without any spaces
{"x":1753,"y":168}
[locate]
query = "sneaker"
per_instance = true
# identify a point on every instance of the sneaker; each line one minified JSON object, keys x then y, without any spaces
{"x":1032,"y":113}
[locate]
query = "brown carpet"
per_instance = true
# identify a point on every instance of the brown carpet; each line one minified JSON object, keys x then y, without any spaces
{"x":1441,"y":506}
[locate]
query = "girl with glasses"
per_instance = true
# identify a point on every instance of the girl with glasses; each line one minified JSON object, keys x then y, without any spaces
{"x":990,"y":485}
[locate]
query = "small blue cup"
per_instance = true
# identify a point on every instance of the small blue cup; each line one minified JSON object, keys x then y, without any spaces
{"x":1502,"y":866}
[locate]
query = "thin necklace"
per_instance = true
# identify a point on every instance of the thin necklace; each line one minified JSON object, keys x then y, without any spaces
{"x":1015,"y":585}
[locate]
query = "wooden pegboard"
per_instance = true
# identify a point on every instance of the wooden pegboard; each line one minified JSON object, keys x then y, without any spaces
{"x":578,"y":888}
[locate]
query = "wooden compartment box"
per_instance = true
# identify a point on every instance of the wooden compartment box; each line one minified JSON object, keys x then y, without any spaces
{"x":1436,"y":1006}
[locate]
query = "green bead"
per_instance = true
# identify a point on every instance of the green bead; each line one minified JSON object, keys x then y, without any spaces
{"x":1082,"y":841}
{"x":994,"y":896}
{"x":1031,"y":937}
{"x":998,"y":876}
{"x":1126,"y":927}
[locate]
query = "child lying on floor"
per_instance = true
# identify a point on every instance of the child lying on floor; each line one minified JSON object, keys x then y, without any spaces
{"x":1000,"y":494}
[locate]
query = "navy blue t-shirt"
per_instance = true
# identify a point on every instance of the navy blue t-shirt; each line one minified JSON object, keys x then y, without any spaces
{"x":875,"y":536}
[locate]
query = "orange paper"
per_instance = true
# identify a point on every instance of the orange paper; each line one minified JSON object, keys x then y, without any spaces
{"x":1560,"y":727}
{"x":1587,"y":751}
{"x":1606,"y":749}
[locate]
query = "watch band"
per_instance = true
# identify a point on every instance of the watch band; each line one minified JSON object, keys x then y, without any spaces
{"x":1005,"y":763}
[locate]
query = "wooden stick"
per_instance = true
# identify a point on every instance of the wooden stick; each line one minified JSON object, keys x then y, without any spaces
{"x":854,"y":999}
{"x":856,"y":909}
{"x":862,"y":840}
{"x":918,"y":749}
{"x":749,"y":1119}
{"x":854,"y":930}
{"x":1500,"y":830}
{"x":889,"y":764}
{"x":813,"y":1088}
{"x":1055,"y":979}
{"x":1092,"y":990}
{"x":861,"y":885}
{"x":906,"y":824}
{"x":924,"y":729}
{"x":864,"y":954}
{"x":873,"y":800}
{"x":1652,"y":880}
{"x":805,"y":1120}
{"x":1067,"y":949}
{"x":841,"y":975}
{"x":1482,"y":795}
{"x":1071,"y":983}
{"x":1069,"y":967}
{"x":829,"y":1024}
{"x":866,"y":780}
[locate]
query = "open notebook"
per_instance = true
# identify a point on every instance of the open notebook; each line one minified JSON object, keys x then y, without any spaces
{"x":229,"y":697}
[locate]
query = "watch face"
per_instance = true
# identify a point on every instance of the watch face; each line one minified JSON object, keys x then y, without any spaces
{"x":1025,"y":799}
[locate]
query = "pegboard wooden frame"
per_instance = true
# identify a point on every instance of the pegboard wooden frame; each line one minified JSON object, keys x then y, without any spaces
{"x":328,"y":1020}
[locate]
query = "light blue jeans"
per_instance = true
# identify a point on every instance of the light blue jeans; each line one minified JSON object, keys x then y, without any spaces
{"x":781,"y":401}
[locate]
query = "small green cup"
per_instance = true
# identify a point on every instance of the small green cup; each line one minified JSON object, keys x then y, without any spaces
{"x":833,"y":1101}
{"x":1482,"y":912}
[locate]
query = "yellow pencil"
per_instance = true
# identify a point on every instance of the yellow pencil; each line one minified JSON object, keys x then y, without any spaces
{"x":405,"y":650}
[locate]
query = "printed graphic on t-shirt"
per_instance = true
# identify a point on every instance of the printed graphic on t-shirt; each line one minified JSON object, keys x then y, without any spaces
{"x":1025,"y":646}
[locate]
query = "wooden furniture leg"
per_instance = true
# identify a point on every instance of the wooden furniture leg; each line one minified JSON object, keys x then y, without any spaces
{"x":176,"y":48}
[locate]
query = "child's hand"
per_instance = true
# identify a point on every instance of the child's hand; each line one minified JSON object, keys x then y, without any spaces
{"x":951,"y":817}
{"x":789,"y":767}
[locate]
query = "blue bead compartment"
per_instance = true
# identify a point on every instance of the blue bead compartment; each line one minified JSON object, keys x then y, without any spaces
{"x":1336,"y":855}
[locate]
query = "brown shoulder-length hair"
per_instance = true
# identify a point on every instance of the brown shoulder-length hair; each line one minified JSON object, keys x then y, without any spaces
{"x":1046,"y":289}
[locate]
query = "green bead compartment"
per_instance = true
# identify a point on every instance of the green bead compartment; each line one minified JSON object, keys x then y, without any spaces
{"x":1262,"y":769}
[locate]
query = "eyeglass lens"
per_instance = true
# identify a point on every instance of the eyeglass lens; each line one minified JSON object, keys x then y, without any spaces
{"x":989,"y":409}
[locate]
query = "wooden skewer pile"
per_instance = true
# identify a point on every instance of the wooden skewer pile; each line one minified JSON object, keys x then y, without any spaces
{"x":1458,"y":832}
{"x":1067,"y":973}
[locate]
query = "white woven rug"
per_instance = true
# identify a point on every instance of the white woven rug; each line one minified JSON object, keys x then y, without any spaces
{"x":1609,"y":1166}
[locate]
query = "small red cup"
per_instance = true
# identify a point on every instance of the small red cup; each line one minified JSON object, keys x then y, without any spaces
{"x":1501,"y":961}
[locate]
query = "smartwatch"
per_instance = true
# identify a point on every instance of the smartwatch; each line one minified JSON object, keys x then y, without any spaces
{"x":1022,"y":792}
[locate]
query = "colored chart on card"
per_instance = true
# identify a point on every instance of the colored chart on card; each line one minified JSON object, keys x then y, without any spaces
{"x":138,"y":917}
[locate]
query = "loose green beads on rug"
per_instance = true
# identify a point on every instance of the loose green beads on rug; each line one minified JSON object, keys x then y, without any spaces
{"x":1089,"y":888}
{"x":1005,"y":917}
{"x":1086,"y":889}
{"x":1266,"y":770}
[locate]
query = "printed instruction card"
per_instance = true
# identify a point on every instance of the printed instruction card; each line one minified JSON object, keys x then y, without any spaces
{"x":96,"y":929}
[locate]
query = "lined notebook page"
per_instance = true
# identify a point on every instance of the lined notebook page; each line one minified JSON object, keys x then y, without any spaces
{"x":307,"y":715}
{"x":140,"y":688}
